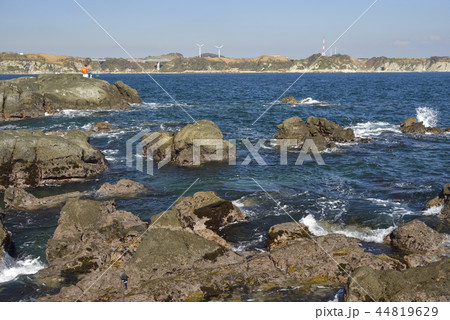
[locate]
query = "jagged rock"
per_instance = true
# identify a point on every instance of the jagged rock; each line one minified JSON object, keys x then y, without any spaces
{"x":179,"y":147}
{"x":411,"y":125}
{"x":428,"y":283}
{"x":31,"y":97}
{"x":19,"y":199}
{"x":289,"y":99}
{"x":321,"y":131}
{"x":29,"y":158}
{"x":421,"y":244}
{"x":123,"y":188}
{"x":90,"y":235}
{"x":6,"y":241}
{"x":281,"y":234}
{"x":203,"y":214}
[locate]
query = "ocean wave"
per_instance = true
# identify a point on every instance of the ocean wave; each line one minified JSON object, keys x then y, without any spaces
{"x":428,"y":116}
{"x":433,"y":211}
{"x":156,"y":105}
{"x":373,"y":129}
{"x":10,"y":269}
{"x":318,"y":228}
{"x":72,"y":113}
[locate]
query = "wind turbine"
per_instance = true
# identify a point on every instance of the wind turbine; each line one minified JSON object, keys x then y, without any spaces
{"x":219,"y":47}
{"x":199,"y":49}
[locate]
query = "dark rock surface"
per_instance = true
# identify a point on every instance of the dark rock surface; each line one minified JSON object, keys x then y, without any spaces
{"x":29,"y":158}
{"x":31,"y":97}
{"x":411,"y":125}
{"x":6,"y":240}
{"x":321,"y":131}
{"x":442,"y":199}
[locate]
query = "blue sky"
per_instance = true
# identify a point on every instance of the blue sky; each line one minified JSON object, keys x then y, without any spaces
{"x":393,"y":28}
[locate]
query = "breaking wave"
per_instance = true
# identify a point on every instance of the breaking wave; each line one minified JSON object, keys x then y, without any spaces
{"x":10,"y":269}
{"x":428,"y":116}
{"x":373,"y":129}
{"x":364,"y":234}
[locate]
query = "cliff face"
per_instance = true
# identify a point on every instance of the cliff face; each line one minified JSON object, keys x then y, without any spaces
{"x":11,"y":63}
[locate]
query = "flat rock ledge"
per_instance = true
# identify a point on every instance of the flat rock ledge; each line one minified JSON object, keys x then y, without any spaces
{"x":29,"y":158}
{"x":33,"y":97}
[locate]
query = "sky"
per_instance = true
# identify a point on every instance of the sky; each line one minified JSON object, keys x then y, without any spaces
{"x":392,"y":28}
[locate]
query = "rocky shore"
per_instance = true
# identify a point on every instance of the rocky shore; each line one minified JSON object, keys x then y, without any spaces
{"x":32,"y":97}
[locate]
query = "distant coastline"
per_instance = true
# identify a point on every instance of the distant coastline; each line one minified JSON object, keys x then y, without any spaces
{"x":24,"y":64}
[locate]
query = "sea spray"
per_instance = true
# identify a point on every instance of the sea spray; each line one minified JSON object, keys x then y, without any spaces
{"x":10,"y":269}
{"x":428,"y":116}
{"x":364,"y":234}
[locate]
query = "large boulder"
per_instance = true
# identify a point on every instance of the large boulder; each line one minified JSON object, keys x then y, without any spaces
{"x":29,"y":158}
{"x":30,"y":97}
{"x":90,"y":235}
{"x":427,"y":283}
{"x":281,"y":234}
{"x":289,"y":99}
{"x":420,"y":244}
{"x":19,"y":199}
{"x":179,"y":147}
{"x":322,"y":132}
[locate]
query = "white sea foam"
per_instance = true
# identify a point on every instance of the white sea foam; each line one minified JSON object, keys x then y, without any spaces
{"x":373,"y":129}
{"x":71,"y":113}
{"x":10,"y":269}
{"x":433,"y":211}
{"x":428,"y":116}
{"x":394,"y":209}
{"x":318,"y":228}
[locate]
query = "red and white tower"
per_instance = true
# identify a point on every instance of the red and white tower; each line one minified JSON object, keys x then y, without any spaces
{"x":323,"y":47}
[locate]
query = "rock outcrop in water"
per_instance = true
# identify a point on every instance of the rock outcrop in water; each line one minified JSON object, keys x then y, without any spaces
{"x":29,"y":158}
{"x":442,"y":199}
{"x":91,"y":235}
{"x":19,"y":199}
{"x":411,"y":125}
{"x":321,"y":131}
{"x":175,"y":261}
{"x":179,"y":147}
{"x":31,"y":97}
{"x":427,"y":283}
{"x":6,"y":241}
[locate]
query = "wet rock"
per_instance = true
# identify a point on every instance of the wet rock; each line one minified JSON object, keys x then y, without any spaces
{"x":6,"y":240}
{"x":29,"y":158}
{"x":19,"y":199}
{"x":100,"y":127}
{"x":411,"y":125}
{"x":31,"y":97}
{"x":282,"y":234}
{"x":179,"y":147}
{"x":442,"y":199}
{"x":123,"y":188}
{"x":428,"y":283}
{"x":91,"y":235}
{"x":321,"y":131}
{"x":289,"y":99}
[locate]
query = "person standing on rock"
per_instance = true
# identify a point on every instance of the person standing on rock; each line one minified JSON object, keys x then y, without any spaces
{"x":85,"y":71}
{"x":124,"y":278}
